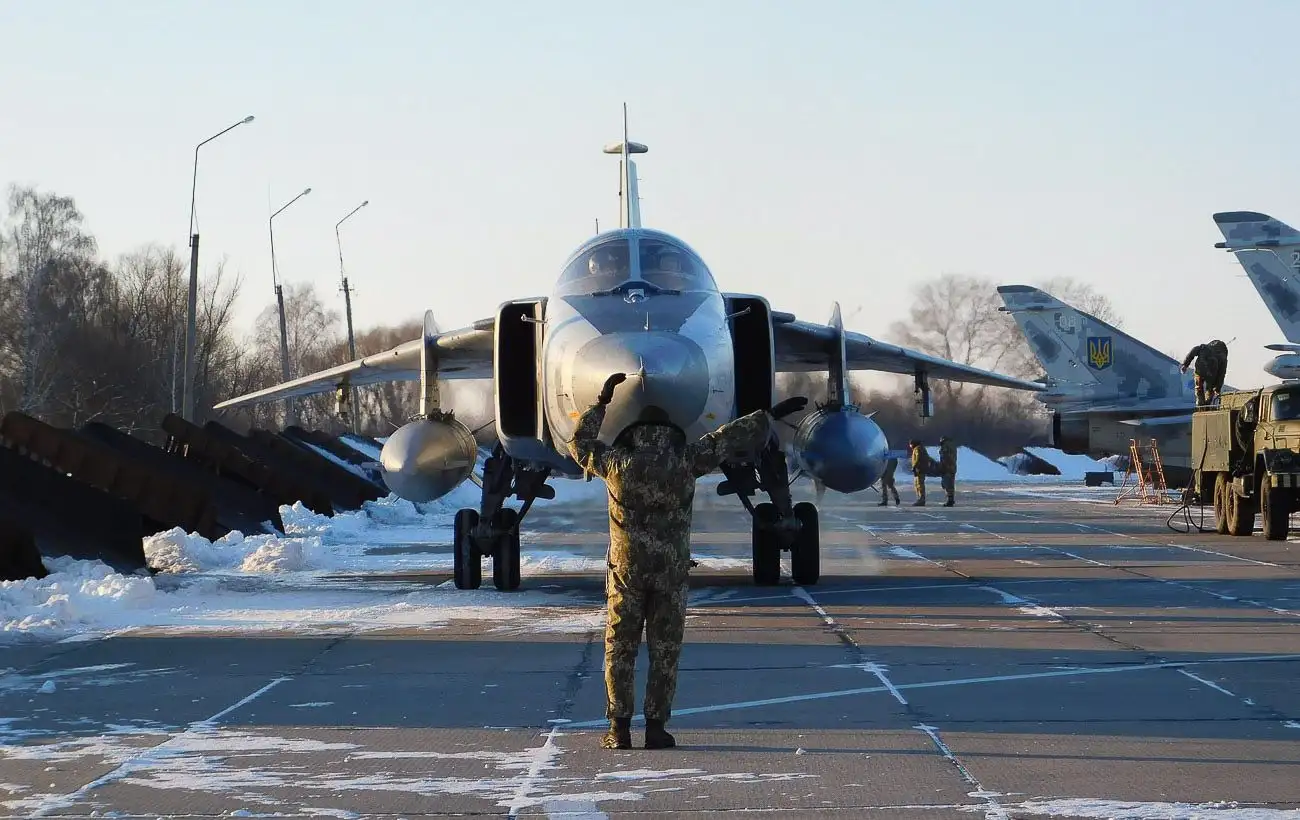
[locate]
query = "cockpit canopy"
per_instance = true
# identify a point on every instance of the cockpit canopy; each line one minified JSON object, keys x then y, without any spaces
{"x":632,"y":255}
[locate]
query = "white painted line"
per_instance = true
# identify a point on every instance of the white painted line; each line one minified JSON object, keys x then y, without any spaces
{"x":867,"y":690}
{"x":1216,"y":687}
{"x":146,"y":756}
{"x":1176,"y":545}
{"x":995,"y":811}
{"x":543,"y":757}
{"x":867,"y":666}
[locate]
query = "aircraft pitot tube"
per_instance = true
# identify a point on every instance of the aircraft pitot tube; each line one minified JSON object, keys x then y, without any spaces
{"x":841,"y":448}
{"x":425,"y":459}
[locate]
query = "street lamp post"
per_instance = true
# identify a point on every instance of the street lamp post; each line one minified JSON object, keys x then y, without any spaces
{"x":347,"y":304}
{"x":187,"y":402}
{"x":289,"y":416}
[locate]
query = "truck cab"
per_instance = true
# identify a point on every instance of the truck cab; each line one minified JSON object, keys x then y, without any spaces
{"x":1246,"y":455}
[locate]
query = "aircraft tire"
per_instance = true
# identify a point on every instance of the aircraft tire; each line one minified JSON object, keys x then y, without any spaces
{"x":1222,"y":489}
{"x":766,"y":547}
{"x":505,"y":562}
{"x":467,"y":565}
{"x":805,"y":558}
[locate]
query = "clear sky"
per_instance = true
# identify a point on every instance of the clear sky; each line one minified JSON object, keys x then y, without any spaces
{"x":811,"y":151}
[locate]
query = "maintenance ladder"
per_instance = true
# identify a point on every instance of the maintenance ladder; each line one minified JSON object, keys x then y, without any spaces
{"x":1150,"y":487}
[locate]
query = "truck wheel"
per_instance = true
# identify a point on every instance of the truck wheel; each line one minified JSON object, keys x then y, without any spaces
{"x":1276,"y":511}
{"x":1241,"y":514}
{"x":1221,"y":491}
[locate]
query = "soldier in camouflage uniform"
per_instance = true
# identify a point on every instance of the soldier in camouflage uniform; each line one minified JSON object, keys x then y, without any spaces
{"x":948,"y":468}
{"x":887,"y":484}
{"x":1211,"y":369}
{"x":650,"y":472}
{"x":921,"y":466}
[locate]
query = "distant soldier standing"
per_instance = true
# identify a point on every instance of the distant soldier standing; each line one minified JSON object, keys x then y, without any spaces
{"x":1211,"y":369}
{"x":650,"y":472}
{"x":948,"y":468}
{"x":921,"y":466}
{"x":887,"y":485}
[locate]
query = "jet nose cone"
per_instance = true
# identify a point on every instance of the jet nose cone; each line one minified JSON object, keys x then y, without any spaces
{"x":666,"y":370}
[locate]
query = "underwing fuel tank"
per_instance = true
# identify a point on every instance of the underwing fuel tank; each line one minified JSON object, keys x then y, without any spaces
{"x":1286,"y":367}
{"x":842,"y":449}
{"x":425,"y":459}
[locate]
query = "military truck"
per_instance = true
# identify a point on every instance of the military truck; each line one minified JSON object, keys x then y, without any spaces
{"x":1246,"y":455}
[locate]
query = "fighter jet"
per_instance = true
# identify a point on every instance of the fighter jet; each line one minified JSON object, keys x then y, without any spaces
{"x":641,"y":302}
{"x":1269,"y":251}
{"x":1104,"y":387}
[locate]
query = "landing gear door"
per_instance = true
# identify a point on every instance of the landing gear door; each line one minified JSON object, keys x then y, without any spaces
{"x":750,"y":322}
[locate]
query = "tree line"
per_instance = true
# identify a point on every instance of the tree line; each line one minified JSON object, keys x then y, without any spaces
{"x":84,"y":339}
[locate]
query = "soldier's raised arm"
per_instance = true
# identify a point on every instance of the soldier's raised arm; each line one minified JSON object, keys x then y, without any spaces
{"x":586,"y":448}
{"x":744,"y":434}
{"x":1191,"y":354}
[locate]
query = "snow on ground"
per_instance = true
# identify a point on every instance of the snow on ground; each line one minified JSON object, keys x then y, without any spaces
{"x":1070,"y":466}
{"x":323,"y":575}
{"x":346,"y":572}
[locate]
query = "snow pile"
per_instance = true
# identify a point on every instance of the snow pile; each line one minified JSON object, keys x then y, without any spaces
{"x":74,"y":593}
{"x":176,"y":551}
{"x":1070,"y":466}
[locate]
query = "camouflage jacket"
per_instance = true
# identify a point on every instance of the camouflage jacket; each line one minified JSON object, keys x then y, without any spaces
{"x":948,"y":456}
{"x":891,"y":464}
{"x":652,"y":488}
{"x":920,"y":461}
{"x":1210,"y":357}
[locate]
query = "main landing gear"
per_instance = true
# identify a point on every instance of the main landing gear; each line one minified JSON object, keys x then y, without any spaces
{"x":778,"y":524}
{"x":493,"y":529}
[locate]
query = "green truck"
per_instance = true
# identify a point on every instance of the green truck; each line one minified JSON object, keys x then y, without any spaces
{"x":1246,"y":455}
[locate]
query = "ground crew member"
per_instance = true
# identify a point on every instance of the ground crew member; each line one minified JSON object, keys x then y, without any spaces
{"x":948,"y":468}
{"x":921,"y":467}
{"x":887,"y":485}
{"x":1211,"y":369}
{"x":650,"y":472}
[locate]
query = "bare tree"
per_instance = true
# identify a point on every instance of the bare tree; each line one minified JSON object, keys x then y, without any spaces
{"x":47,"y":252}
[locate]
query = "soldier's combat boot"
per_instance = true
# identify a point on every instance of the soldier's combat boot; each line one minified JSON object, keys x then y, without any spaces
{"x":949,"y":502}
{"x":619,"y":735}
{"x":656,"y":736}
{"x":884,"y":502}
{"x":920,"y":502}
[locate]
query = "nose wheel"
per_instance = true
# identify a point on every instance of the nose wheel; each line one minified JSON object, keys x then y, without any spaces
{"x":493,"y":529}
{"x":777,"y":525}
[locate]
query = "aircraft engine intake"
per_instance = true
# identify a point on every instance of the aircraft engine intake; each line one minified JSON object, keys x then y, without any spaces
{"x":1071,"y":434}
{"x":1285,"y":367}
{"x":842,"y":449}
{"x":425,"y":459}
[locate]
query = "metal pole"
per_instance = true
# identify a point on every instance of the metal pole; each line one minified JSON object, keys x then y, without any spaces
{"x":187,"y":402}
{"x":289,"y":415}
{"x":347,"y":304}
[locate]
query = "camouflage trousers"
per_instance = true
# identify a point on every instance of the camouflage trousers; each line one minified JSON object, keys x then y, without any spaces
{"x":918,"y":484}
{"x":659,"y":607}
{"x":1206,"y":388}
{"x":887,"y":488}
{"x":948,"y":481}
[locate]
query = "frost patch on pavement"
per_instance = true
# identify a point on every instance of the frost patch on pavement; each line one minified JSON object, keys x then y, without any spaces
{"x":274,"y":771}
{"x":1123,"y":810}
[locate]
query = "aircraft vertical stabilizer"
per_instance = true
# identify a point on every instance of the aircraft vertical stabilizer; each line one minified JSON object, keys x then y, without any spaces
{"x":1088,"y":359}
{"x":1269,"y":251}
